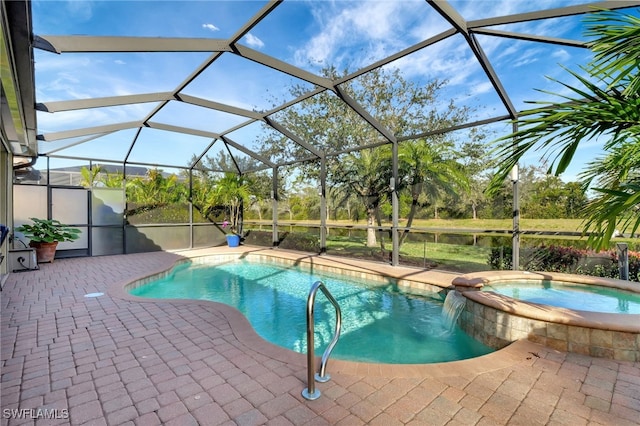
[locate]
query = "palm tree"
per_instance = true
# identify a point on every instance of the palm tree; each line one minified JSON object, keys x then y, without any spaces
{"x":231,"y":190}
{"x":607,"y":106}
{"x":201,"y":188}
{"x":90,"y":176}
{"x":154,"y":191}
{"x":430,"y":171}
{"x":99,"y":176}
{"x":367,"y":173}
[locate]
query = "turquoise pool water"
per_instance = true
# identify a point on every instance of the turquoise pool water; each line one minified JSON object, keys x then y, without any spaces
{"x":571,"y":296}
{"x":379,"y":323}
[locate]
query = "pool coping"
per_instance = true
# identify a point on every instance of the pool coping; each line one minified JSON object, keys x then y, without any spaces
{"x":517,"y":352}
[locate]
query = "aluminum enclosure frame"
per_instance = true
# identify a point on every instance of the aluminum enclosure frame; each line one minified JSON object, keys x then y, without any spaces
{"x":18,"y":88}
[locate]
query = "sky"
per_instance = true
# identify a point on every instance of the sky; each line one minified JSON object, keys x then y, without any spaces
{"x":308,"y":34}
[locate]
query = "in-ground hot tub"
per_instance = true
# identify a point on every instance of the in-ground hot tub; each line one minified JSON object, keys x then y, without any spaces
{"x":593,"y":298}
{"x":497,"y":319}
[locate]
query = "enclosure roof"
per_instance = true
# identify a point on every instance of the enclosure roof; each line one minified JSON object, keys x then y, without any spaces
{"x":17,"y":95}
{"x":168,"y":83}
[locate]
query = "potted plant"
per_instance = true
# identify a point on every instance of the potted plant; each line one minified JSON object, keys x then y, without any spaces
{"x":45,"y":234}
{"x":233,"y":239}
{"x":231,"y":190}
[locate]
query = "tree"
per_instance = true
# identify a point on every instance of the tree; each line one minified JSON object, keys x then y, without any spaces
{"x":154,"y":191}
{"x":326,"y":123}
{"x":210,"y":170}
{"x":90,"y":176}
{"x":605,"y":107}
{"x":474,"y":157}
{"x":367,"y":173}
{"x":201,"y":188}
{"x":548,"y":198}
{"x":231,"y":190}
{"x":430,"y":171}
{"x":260,"y":187}
{"x":575,"y":200}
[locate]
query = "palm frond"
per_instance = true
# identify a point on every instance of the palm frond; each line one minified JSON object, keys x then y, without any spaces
{"x":615,"y":46}
{"x":559,"y":128}
{"x":613,"y":209}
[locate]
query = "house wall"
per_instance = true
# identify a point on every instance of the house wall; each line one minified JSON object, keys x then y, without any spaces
{"x":6,"y":204}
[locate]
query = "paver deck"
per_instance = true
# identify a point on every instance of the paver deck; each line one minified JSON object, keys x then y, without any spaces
{"x":116,"y":360}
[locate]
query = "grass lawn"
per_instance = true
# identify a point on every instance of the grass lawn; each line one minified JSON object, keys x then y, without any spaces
{"x":571,"y":225}
{"x":457,"y":253}
{"x":553,"y":225}
{"x":455,"y":257}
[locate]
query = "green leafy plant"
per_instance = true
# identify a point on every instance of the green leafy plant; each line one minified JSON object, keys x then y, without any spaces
{"x":555,"y":259}
{"x":501,"y":257}
{"x":612,"y":270}
{"x":299,"y":241}
{"x":567,"y":259}
{"x":604,"y":105}
{"x":48,"y":231}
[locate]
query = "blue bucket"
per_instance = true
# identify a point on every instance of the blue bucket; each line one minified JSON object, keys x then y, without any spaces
{"x":233,"y":240}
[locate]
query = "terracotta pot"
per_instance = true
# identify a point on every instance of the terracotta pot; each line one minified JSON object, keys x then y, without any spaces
{"x":44,"y":251}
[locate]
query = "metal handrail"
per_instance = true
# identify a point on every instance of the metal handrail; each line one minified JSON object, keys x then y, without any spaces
{"x":310,"y":392}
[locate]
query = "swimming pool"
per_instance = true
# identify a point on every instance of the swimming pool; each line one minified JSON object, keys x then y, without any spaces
{"x":380,"y":322}
{"x":567,"y":295}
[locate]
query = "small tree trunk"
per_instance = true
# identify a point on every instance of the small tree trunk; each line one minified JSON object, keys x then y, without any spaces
{"x":379,"y":220}
{"x":412,"y":212}
{"x":371,"y":231}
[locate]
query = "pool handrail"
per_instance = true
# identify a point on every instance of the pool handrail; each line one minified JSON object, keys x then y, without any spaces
{"x":310,"y":392}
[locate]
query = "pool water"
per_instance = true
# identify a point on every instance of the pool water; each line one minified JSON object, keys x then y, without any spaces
{"x":571,"y":296}
{"x":379,"y":323}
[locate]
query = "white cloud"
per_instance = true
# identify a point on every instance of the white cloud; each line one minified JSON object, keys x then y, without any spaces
{"x":450,"y":59}
{"x":253,"y":41}
{"x":120,"y":62}
{"x":210,"y":27}
{"x":80,"y":10}
{"x":371,"y":27}
{"x":562,"y":55}
{"x":481,"y":88}
{"x":472,"y":10}
{"x":524,"y":62}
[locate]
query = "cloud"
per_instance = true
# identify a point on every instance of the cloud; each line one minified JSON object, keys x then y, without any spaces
{"x":562,"y":55}
{"x":449,"y":60}
{"x":481,"y":88}
{"x":210,"y":27}
{"x":254,"y":41}
{"x":80,"y":10}
{"x":120,"y":62}
{"x":524,"y":62}
{"x":520,"y":57}
{"x":371,"y":28}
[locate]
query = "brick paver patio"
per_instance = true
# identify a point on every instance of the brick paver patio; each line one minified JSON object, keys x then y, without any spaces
{"x":114,"y":360}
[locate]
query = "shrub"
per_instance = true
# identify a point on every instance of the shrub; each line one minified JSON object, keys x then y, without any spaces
{"x":555,"y":259}
{"x":299,"y":241}
{"x":258,"y":238}
{"x":634,"y":266}
{"x":568,"y":259}
{"x":501,"y":257}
